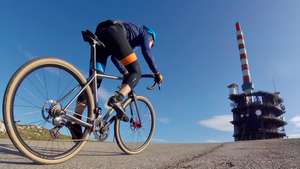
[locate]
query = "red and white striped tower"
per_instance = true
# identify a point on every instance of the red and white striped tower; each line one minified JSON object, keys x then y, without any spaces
{"x":247,"y":82}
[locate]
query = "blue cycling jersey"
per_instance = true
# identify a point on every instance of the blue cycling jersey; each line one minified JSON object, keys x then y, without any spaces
{"x":138,"y":37}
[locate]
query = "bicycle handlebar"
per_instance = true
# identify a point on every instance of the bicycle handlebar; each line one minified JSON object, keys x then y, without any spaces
{"x":147,"y":76}
{"x":154,"y":84}
{"x":142,"y":76}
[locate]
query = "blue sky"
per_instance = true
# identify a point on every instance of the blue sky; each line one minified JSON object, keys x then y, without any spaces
{"x":196,"y":51}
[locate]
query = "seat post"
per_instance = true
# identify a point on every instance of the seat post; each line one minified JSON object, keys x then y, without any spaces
{"x":94,"y":71}
{"x":93,"y":55}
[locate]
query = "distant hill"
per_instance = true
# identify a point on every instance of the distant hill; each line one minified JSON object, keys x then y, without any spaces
{"x":2,"y":129}
{"x":31,"y":132}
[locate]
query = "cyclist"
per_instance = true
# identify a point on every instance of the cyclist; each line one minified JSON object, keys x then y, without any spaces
{"x":120,"y":38}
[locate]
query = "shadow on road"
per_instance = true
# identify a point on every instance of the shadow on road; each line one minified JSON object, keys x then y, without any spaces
{"x":7,"y":149}
{"x":18,"y":163}
{"x":10,"y":155}
{"x":100,"y":153}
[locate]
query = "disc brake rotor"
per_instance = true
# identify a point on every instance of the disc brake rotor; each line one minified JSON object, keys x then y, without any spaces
{"x":135,"y":124}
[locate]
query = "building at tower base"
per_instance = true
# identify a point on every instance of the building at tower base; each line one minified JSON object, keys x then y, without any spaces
{"x":257,"y":115}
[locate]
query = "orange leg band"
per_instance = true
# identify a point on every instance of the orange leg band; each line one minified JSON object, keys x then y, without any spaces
{"x":129,"y":59}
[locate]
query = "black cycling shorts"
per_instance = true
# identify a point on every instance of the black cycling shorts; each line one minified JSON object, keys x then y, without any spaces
{"x":116,"y":45}
{"x":114,"y":37}
{"x":115,"y":40}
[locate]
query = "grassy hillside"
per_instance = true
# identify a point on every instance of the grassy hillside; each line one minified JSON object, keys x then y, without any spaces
{"x":33,"y":132}
{"x":2,"y":135}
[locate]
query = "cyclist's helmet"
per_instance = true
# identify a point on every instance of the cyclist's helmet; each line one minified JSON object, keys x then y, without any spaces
{"x":151,"y":32}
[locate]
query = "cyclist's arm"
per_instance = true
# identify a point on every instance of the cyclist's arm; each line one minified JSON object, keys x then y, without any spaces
{"x":146,"y":51}
{"x":119,"y":66}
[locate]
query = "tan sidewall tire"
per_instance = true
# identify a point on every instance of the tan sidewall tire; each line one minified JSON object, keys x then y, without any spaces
{"x":7,"y":103}
{"x":117,"y":127}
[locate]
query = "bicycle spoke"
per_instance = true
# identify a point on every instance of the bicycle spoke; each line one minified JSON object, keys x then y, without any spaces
{"x":65,"y":89}
{"x":45,"y":85}
{"x":41,"y":82}
{"x":68,"y":93}
{"x":27,"y":101}
{"x":58,"y":84}
{"x":25,"y":106}
{"x":40,"y":93}
{"x":31,"y":113}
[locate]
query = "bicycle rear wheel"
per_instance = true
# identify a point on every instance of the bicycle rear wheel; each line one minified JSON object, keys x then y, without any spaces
{"x":134,"y":136}
{"x":36,"y":87}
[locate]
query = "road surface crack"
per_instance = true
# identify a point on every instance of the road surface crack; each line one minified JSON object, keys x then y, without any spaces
{"x":180,"y":163}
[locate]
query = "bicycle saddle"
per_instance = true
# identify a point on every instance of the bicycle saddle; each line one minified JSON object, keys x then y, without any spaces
{"x":91,"y":38}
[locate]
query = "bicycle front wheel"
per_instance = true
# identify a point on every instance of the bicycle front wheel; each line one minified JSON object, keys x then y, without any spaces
{"x":134,"y":136}
{"x":38,"y":86}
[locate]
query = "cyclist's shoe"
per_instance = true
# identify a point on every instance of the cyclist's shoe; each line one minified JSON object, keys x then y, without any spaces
{"x":75,"y":130}
{"x":115,"y":102}
{"x":117,"y":98}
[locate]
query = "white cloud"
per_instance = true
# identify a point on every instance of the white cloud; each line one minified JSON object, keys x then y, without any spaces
{"x":159,"y":140}
{"x":294,"y":135}
{"x":27,"y":54}
{"x":212,"y":141}
{"x":163,"y":120}
{"x":220,"y":123}
{"x":31,"y":113}
{"x":104,"y":95}
{"x":296,"y":121}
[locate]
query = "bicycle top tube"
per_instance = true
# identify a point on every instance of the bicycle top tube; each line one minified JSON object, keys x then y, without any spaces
{"x":120,"y":78}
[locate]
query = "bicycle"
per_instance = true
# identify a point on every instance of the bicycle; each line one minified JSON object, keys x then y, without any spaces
{"x":45,"y":138}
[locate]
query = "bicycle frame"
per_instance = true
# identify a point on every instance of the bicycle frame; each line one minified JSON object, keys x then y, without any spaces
{"x":92,"y":79}
{"x":107,"y":118}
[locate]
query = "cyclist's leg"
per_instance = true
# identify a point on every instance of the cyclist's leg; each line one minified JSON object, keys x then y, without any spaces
{"x":126,"y":56}
{"x":133,"y":77}
{"x":119,"y":66}
{"x":129,"y":82}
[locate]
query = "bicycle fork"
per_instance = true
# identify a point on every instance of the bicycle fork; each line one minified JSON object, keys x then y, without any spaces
{"x":135,"y":123}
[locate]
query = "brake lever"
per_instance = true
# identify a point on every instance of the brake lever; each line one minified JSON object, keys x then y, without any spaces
{"x":151,"y":87}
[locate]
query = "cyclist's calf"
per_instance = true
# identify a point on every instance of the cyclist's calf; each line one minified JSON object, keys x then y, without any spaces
{"x":134,"y":74}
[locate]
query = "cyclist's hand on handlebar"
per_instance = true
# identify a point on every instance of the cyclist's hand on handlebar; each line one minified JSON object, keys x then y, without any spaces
{"x":158,"y":78}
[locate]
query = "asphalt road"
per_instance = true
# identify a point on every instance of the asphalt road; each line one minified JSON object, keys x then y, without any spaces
{"x":273,"y":154}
